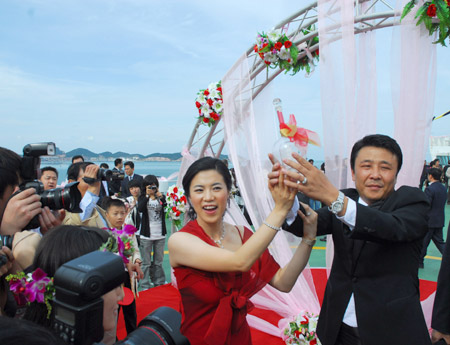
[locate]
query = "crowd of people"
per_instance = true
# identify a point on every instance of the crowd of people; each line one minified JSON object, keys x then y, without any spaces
{"x":380,"y":236}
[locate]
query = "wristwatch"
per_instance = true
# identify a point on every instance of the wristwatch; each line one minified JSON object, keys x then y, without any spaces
{"x":337,"y":205}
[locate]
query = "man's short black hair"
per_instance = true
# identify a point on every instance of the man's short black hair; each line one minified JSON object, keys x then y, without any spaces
{"x":377,"y":140}
{"x":117,"y":161}
{"x":104,"y":166}
{"x":435,"y":173}
{"x":77,"y":157}
{"x":130,"y":164}
{"x":44,"y":169}
{"x":134,"y":183}
{"x":10,"y":164}
{"x":109,"y":202}
{"x":74,"y":170}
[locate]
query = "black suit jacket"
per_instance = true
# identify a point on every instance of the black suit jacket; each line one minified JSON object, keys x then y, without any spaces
{"x":116,"y":184}
{"x":441,"y":308}
{"x":125,"y":192}
{"x":437,"y":195}
{"x":378,"y":262}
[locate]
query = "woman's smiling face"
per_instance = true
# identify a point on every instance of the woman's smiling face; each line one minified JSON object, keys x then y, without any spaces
{"x":208,"y":195}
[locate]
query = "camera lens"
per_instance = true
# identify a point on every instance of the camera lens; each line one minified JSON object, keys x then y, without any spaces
{"x":67,"y":198}
{"x":153,"y":187}
{"x":104,"y":174}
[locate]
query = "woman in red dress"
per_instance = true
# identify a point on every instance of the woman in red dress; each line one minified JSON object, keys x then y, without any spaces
{"x":219,"y":266}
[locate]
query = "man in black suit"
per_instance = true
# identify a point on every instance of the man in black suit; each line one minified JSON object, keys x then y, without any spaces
{"x":372,"y":294}
{"x":440,"y":323}
{"x":129,"y":175}
{"x":115,"y":185}
{"x":437,"y":195}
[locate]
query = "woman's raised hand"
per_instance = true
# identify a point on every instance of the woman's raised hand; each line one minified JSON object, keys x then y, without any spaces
{"x":309,"y":218}
{"x":282,"y":194}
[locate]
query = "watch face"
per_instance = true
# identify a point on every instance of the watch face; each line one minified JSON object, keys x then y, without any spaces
{"x":337,"y":207}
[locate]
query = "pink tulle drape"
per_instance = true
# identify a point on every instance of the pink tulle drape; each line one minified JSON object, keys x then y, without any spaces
{"x":249,"y":139}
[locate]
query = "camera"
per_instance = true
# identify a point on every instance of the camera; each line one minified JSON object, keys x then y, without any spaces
{"x":79,"y":285}
{"x":6,"y":240}
{"x":78,"y":315}
{"x":110,"y":175}
{"x":68,"y":197}
{"x":154,"y":188}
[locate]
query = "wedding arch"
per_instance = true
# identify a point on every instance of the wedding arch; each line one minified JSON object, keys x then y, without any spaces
{"x":380,"y":14}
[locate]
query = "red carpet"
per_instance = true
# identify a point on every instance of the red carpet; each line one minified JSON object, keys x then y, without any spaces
{"x":167,"y":295}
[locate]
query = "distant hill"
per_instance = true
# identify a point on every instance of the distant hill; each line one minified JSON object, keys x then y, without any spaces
{"x":171,"y":156}
{"x":109,"y":155}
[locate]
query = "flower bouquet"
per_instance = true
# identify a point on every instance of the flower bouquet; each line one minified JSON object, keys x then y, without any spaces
{"x":32,"y":287}
{"x":176,"y":205}
{"x":121,"y":242}
{"x":209,"y":103}
{"x":428,"y":14}
{"x":276,"y":50}
{"x":302,"y":330}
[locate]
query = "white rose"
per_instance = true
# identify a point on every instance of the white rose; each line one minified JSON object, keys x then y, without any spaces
{"x":205,"y":110}
{"x":284,"y":54}
{"x":274,"y":35}
{"x":217,"y":106}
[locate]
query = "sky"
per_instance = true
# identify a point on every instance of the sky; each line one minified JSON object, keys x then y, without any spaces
{"x":111,"y":75}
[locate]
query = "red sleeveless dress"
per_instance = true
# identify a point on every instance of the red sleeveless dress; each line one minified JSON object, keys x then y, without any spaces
{"x":215,"y":305}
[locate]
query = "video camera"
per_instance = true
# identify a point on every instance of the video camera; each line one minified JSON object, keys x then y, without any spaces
{"x":110,"y":175}
{"x":78,"y":305}
{"x":67,"y":198}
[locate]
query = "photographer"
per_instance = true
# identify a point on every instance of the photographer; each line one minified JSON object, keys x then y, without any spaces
{"x":89,"y":186}
{"x":151,"y":204}
{"x":60,"y":246}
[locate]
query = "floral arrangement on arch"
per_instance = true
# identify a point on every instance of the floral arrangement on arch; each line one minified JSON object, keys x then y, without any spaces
{"x":31,"y":287}
{"x":276,"y":50}
{"x":435,"y":15}
{"x":209,"y":103}
{"x":302,"y":330}
{"x":176,"y":204}
{"x":120,"y":241}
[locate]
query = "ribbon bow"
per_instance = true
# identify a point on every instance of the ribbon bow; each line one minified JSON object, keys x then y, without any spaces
{"x":300,"y":136}
{"x":230,"y":314}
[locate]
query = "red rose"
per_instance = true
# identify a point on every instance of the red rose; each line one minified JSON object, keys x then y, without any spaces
{"x":174,"y":209}
{"x":431,"y":11}
{"x":297,"y":333}
{"x":313,"y":342}
{"x":267,"y":62}
{"x":317,"y":52}
{"x":206,"y":92}
{"x":175,"y":190}
{"x":255,"y":48}
{"x":219,"y":89}
{"x":215,"y":116}
{"x":177,"y":213}
{"x":210,"y":102}
{"x":278,"y":45}
{"x":199,"y":111}
{"x":265,"y":45}
{"x":287,"y":44}
{"x":197,"y":104}
{"x":205,"y":120}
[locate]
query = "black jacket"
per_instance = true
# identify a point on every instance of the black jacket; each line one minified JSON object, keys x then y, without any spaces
{"x":145,"y":224}
{"x":378,"y":262}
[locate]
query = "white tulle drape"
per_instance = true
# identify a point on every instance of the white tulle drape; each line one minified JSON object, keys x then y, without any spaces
{"x":251,"y":130}
{"x":413,"y":81}
{"x":348,"y":89}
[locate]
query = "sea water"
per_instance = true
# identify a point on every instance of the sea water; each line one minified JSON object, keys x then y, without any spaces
{"x":160,"y":169}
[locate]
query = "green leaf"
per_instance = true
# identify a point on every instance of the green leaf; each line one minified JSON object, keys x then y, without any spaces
{"x":408,"y":7}
{"x":294,"y":52}
{"x":421,"y":13}
{"x":428,"y":23}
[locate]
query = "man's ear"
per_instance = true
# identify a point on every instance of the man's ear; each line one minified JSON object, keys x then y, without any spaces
{"x":353,"y":175}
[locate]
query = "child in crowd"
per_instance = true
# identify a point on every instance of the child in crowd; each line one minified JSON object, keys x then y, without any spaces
{"x":134,"y":217}
{"x":115,"y":214}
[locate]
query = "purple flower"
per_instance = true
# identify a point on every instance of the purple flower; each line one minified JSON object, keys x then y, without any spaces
{"x":35,"y":289}
{"x":121,"y":247}
{"x":129,"y":229}
{"x":17,"y":286}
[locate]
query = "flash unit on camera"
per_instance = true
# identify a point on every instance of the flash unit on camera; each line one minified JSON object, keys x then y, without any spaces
{"x":40,"y":149}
